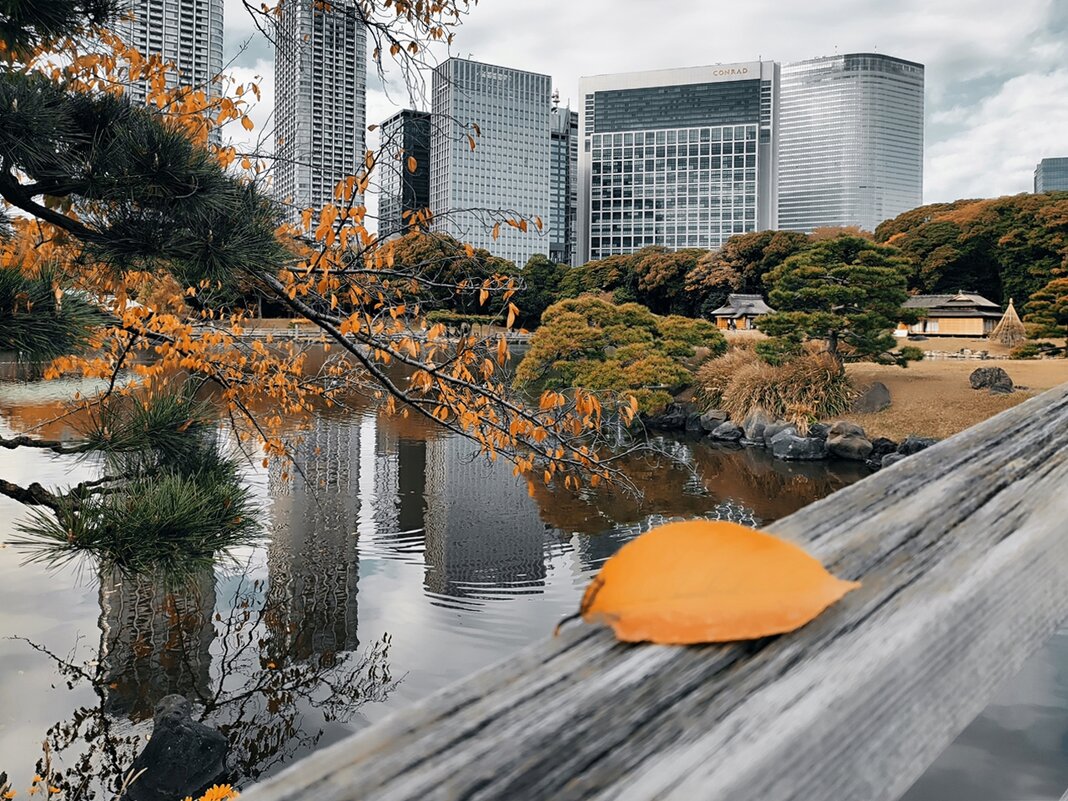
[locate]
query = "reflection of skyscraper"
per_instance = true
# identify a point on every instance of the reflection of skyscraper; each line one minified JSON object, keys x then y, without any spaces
{"x":312,"y":558}
{"x":482,"y":529}
{"x":155,"y":640}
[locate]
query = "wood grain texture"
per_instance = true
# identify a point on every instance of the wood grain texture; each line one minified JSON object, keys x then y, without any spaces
{"x":963,"y":552}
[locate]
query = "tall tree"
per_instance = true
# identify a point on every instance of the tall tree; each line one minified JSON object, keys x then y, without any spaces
{"x":1048,"y":310}
{"x":847,"y":291}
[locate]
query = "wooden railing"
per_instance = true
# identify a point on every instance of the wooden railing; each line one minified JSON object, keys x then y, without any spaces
{"x":963,"y":554}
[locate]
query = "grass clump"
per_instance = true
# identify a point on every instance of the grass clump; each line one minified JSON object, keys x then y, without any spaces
{"x":801,"y":390}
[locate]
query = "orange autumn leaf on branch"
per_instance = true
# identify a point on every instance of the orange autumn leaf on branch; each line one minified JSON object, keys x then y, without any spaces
{"x":708,"y":581}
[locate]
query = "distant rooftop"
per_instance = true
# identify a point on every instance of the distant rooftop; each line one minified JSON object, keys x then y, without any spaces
{"x":743,"y":306}
{"x":962,"y":304}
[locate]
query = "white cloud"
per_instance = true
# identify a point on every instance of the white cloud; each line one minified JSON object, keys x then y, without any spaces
{"x":999,"y":141}
{"x":995,"y":95}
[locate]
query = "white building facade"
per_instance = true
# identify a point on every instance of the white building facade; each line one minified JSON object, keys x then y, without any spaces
{"x":678,"y":157}
{"x":320,"y":101}
{"x":507,"y":172}
{"x":852,"y":141}
{"x":188,"y":33}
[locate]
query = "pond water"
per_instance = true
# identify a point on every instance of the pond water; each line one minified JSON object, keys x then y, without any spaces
{"x":393,"y":563}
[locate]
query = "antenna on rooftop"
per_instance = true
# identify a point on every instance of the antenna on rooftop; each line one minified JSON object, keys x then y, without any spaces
{"x":556,"y":98}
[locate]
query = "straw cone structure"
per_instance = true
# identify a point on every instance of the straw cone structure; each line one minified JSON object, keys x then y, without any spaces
{"x":1010,"y":331}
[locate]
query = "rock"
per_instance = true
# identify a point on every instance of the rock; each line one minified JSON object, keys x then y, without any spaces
{"x":183,"y":758}
{"x":794,"y":448}
{"x":711,"y":419}
{"x":693,"y":423}
{"x":993,"y":378}
{"x":844,"y":428}
{"x":913,"y":445}
{"x":673,"y":418}
{"x":849,"y":446}
{"x":755,"y":424}
{"x":819,"y":430}
{"x":892,"y":459}
{"x":728,"y":432}
{"x":880,"y":446}
{"x":772,"y":430}
{"x":873,"y":399}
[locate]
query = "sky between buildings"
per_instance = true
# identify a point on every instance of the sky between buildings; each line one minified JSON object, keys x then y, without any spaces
{"x":997,"y":72}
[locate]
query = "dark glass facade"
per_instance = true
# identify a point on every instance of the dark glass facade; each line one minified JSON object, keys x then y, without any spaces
{"x":405,"y":135}
{"x":563,"y":189}
{"x":686,"y":105}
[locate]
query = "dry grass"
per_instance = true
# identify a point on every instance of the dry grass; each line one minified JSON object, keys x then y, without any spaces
{"x":934,"y":399}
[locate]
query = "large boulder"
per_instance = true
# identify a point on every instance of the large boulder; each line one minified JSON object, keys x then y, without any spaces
{"x":727,"y":432}
{"x":913,"y":445}
{"x":183,"y":758}
{"x":880,"y":446}
{"x":993,"y":378}
{"x":693,"y":423}
{"x":873,"y":399}
{"x":848,"y":441}
{"x":819,"y":430}
{"x":791,"y":448}
{"x":755,"y":424}
{"x":772,"y":430}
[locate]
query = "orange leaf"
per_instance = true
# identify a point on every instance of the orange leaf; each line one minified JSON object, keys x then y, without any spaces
{"x":413,"y":165}
{"x":705,"y":581}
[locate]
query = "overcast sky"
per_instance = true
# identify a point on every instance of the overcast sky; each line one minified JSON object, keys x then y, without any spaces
{"x":997,"y":70}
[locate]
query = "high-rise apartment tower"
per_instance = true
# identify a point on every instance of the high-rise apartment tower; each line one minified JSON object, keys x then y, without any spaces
{"x":406,"y":141}
{"x":188,"y":33}
{"x":678,"y":157}
{"x":851,"y":144}
{"x":508,"y":171}
{"x":1051,"y":175}
{"x":320,"y":100}
{"x":563,"y":189}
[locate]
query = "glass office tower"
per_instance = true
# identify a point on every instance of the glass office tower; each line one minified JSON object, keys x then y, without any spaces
{"x":320,"y":72}
{"x":404,"y":135}
{"x":508,"y":170}
{"x":851,"y":147}
{"x":678,"y":157}
{"x":1051,"y":175}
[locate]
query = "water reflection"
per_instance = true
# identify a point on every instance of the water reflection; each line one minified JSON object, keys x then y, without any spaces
{"x":395,"y":561}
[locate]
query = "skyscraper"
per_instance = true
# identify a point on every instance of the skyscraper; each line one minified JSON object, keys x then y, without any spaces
{"x":507,"y":171}
{"x":677,"y":157}
{"x":852,"y":141}
{"x":405,"y":135}
{"x":188,"y":33}
{"x":563,"y":190}
{"x":320,"y":73}
{"x":1051,"y":175}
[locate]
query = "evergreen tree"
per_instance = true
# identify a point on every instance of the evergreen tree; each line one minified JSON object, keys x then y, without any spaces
{"x":847,"y":291}
{"x":1048,"y":310}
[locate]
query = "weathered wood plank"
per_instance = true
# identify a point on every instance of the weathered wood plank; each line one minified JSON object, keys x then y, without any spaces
{"x":963,"y":551}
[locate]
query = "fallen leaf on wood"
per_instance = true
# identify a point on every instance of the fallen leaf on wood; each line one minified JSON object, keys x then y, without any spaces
{"x":708,"y":581}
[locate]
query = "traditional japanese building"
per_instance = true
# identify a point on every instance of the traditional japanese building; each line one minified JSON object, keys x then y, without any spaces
{"x":740,"y":312}
{"x":965,"y":314}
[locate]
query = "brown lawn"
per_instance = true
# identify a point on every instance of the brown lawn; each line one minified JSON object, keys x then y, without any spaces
{"x":933,"y":398}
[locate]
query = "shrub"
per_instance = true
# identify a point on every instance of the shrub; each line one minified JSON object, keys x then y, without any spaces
{"x":807,"y":388}
{"x":778,"y":350}
{"x":909,"y":353}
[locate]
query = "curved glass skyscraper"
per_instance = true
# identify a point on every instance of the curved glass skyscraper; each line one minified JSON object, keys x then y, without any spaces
{"x":851,"y":141}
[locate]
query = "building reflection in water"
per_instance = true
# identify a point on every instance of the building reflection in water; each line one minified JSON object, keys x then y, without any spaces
{"x":155,"y":639}
{"x":483,"y":532}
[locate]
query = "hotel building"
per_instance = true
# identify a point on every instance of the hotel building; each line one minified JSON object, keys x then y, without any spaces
{"x":678,"y":157}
